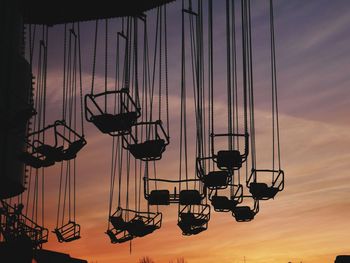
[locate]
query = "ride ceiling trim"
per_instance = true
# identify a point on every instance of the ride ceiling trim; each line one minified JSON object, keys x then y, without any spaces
{"x":65,"y":11}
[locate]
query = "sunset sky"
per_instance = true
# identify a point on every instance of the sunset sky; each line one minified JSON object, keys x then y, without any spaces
{"x":309,"y":220}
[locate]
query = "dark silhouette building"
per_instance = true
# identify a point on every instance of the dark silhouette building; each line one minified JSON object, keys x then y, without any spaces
{"x":48,"y":256}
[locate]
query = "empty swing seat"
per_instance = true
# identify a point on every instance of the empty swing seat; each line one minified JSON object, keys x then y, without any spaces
{"x":148,"y":150}
{"x":108,"y":123}
{"x":138,"y":228}
{"x":68,"y":232}
{"x":223,"y":204}
{"x":118,"y":222}
{"x":73,"y":149}
{"x":261,"y":191}
{"x":159,"y":197}
{"x":190,"y":197}
{"x":229,"y":160}
{"x":51,"y":152}
{"x":114,"y":239}
{"x":216,"y":179}
{"x":243,"y":214}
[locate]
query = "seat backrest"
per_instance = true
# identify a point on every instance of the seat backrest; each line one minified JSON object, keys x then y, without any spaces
{"x":118,"y":222}
{"x":190,"y":197}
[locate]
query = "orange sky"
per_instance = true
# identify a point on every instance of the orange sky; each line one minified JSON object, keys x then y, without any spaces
{"x":308,"y":221}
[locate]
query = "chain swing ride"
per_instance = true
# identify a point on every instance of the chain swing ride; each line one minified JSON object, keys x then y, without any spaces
{"x":226,"y":176}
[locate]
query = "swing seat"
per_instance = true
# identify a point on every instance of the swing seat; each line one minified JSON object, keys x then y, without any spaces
{"x":118,"y":222}
{"x":216,"y":179}
{"x":229,"y":160}
{"x":190,"y":197}
{"x":148,"y":150}
{"x":223,"y":204}
{"x":51,"y":152}
{"x":115,"y":240}
{"x":73,"y":149}
{"x":243,"y":214}
{"x":38,"y":235}
{"x":191,"y":228}
{"x":159,"y":197}
{"x":62,"y":239}
{"x":31,"y":160}
{"x":191,"y":220}
{"x":68,"y":232}
{"x":260,"y":191}
{"x":108,"y":123}
{"x":138,"y":228}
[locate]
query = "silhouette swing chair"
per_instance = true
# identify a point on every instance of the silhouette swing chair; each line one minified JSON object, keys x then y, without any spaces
{"x":61,"y":147}
{"x":15,"y":224}
{"x":193,"y":219}
{"x":213,"y":180}
{"x":37,"y":234}
{"x":41,"y":154}
{"x":229,"y":160}
{"x":136,"y":223}
{"x":264,"y":190}
{"x":165,"y":197}
{"x":117,"y":237}
{"x":68,"y":232}
{"x":222,"y":203}
{"x":153,"y":146}
{"x":226,"y":160}
{"x":113,"y":123}
{"x":246,"y":212}
{"x":67,"y":149}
